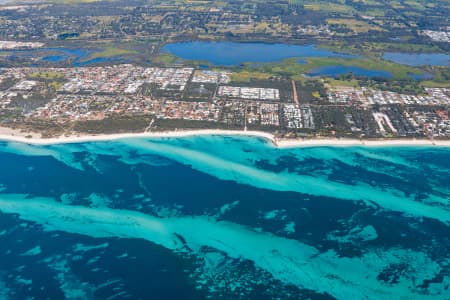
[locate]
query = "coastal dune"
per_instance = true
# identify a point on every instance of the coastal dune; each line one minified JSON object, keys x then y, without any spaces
{"x":11,"y":135}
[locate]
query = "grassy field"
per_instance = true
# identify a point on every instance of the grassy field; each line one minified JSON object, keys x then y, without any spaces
{"x":54,"y":80}
{"x":47,"y":75}
{"x":431,"y":83}
{"x":356,"y":26}
{"x":110,"y":52}
{"x":245,"y":76}
{"x":328,"y":7}
{"x":290,"y":67}
{"x":376,"y":50}
{"x":165,"y":58}
{"x":336,"y":82}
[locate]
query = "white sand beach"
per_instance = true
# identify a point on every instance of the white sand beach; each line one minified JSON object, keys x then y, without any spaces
{"x":7,"y":134}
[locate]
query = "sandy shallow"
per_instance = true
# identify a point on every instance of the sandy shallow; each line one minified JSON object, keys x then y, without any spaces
{"x":7,"y":134}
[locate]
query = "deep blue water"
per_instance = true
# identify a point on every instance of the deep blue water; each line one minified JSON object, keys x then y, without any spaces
{"x":334,"y":71}
{"x":223,"y":218}
{"x":232,"y":53}
{"x":418,"y":59}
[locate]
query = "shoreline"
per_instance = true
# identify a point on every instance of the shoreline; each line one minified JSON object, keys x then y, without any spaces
{"x":10,"y":135}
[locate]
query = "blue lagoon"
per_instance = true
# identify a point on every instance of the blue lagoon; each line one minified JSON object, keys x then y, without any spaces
{"x":419,"y":59}
{"x":232,"y":53}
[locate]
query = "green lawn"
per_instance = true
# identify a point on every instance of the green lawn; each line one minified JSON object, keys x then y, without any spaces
{"x":110,"y":52}
{"x":245,"y":76}
{"x":47,"y":75}
{"x":165,"y":58}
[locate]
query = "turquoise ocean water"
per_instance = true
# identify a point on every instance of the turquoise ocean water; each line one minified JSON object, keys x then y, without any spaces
{"x":216,"y":217}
